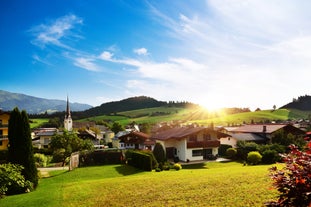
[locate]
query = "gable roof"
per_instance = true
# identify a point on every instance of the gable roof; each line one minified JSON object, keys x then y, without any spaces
{"x":247,"y":137}
{"x":259,"y":128}
{"x":177,"y":133}
{"x":135,"y":134}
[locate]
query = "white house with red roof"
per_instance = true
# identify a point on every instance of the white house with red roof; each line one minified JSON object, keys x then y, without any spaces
{"x":189,"y":143}
{"x":258,"y":133}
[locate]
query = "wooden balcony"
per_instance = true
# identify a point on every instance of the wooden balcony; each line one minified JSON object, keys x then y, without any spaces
{"x":3,"y":137}
{"x":203,"y":144}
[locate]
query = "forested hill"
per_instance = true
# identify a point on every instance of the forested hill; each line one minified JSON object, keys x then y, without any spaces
{"x":301,"y":103}
{"x":133,"y":103}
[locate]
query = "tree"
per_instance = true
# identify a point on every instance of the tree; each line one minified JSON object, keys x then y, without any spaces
{"x":293,"y":181}
{"x":274,"y":107}
{"x":20,"y":150}
{"x":117,"y":127}
{"x":67,"y":143}
{"x":159,"y":153}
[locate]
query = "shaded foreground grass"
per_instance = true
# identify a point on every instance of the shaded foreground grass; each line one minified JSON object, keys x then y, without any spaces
{"x":212,"y":184}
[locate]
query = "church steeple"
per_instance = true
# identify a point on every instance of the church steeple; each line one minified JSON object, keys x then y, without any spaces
{"x":68,"y":120}
{"x":68,"y":115}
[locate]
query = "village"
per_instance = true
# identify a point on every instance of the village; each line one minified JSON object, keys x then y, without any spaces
{"x":184,"y":143}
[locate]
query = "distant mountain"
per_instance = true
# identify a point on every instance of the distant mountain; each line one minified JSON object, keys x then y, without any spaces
{"x":301,"y":103}
{"x":133,"y":103}
{"x":34,"y":105}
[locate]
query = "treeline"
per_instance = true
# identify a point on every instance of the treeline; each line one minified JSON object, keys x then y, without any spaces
{"x":301,"y":103}
{"x":112,"y":108}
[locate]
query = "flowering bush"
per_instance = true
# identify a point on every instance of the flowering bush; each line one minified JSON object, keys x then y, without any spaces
{"x":177,"y":166}
{"x":294,"y":180}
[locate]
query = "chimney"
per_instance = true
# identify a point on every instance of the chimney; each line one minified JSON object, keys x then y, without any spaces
{"x":264,"y":129}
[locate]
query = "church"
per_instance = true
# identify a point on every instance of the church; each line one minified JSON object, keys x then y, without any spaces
{"x":68,"y":119}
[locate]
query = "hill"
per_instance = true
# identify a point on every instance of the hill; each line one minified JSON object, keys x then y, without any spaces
{"x":129,"y":104}
{"x":35,"y":105}
{"x":302,"y":103}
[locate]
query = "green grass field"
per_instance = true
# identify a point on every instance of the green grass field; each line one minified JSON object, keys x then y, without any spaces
{"x":209,"y":184}
{"x":194,"y":115}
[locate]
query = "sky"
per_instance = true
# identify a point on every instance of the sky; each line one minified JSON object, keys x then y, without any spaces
{"x":216,"y":53}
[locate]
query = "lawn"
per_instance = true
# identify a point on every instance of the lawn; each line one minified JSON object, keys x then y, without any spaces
{"x":209,"y":184}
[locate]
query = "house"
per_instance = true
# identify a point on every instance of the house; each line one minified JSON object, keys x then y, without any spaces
{"x":189,"y":143}
{"x":43,"y":137}
{"x":136,"y":140}
{"x":4,"y":123}
{"x":258,"y":133}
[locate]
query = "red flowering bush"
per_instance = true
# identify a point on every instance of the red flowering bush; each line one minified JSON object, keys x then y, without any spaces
{"x":293,"y":181}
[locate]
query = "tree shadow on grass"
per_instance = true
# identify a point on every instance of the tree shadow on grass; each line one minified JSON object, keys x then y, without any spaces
{"x":195,"y":166}
{"x":51,"y":174}
{"x":127,"y":170}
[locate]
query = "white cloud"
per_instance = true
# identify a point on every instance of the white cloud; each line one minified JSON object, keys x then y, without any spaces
{"x":237,"y":53}
{"x":86,"y":63}
{"x":106,"y":55}
{"x":141,"y":51}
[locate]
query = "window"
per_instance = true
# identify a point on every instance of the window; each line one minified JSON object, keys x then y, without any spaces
{"x":196,"y":153}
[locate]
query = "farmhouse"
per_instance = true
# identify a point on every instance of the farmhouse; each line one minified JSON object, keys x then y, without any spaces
{"x":136,"y":140}
{"x":43,"y":137}
{"x":258,"y":133}
{"x":189,"y":143}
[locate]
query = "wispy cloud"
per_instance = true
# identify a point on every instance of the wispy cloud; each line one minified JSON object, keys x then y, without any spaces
{"x":56,"y":32}
{"x":87,"y":63}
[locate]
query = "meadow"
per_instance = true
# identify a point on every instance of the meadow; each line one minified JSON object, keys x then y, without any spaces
{"x":193,"y":115}
{"x":206,"y":184}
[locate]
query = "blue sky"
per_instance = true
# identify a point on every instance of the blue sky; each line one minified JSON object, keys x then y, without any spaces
{"x":217,"y":53}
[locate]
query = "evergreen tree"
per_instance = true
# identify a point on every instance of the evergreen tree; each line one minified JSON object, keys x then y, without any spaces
{"x":159,"y":153}
{"x":20,"y":149}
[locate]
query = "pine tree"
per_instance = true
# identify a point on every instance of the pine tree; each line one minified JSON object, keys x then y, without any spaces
{"x":20,"y":149}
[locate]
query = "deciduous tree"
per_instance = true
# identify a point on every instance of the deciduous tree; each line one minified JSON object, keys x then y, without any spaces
{"x":67,"y":143}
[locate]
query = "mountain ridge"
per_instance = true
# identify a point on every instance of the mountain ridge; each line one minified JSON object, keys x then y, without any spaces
{"x":36,"y":105}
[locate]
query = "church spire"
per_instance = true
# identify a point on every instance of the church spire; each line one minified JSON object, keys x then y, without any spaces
{"x":68,"y":115}
{"x":68,"y":120}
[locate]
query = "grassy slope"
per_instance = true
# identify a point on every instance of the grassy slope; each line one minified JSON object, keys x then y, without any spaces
{"x":37,"y":122}
{"x":199,"y":116}
{"x":213,"y":184}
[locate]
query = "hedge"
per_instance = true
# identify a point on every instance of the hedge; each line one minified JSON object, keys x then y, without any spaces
{"x":141,"y":160}
{"x":100,"y":158}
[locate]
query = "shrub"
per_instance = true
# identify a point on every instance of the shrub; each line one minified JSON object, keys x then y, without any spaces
{"x":166,"y":166}
{"x":177,"y":166}
{"x":140,"y":160}
{"x":11,"y":180}
{"x":270,"y":156}
{"x":293,"y":181}
{"x":41,"y":160}
{"x":89,"y":158}
{"x":159,"y":153}
{"x":254,"y":158}
{"x":223,"y":149}
{"x":244,"y":148}
{"x":231,"y":153}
